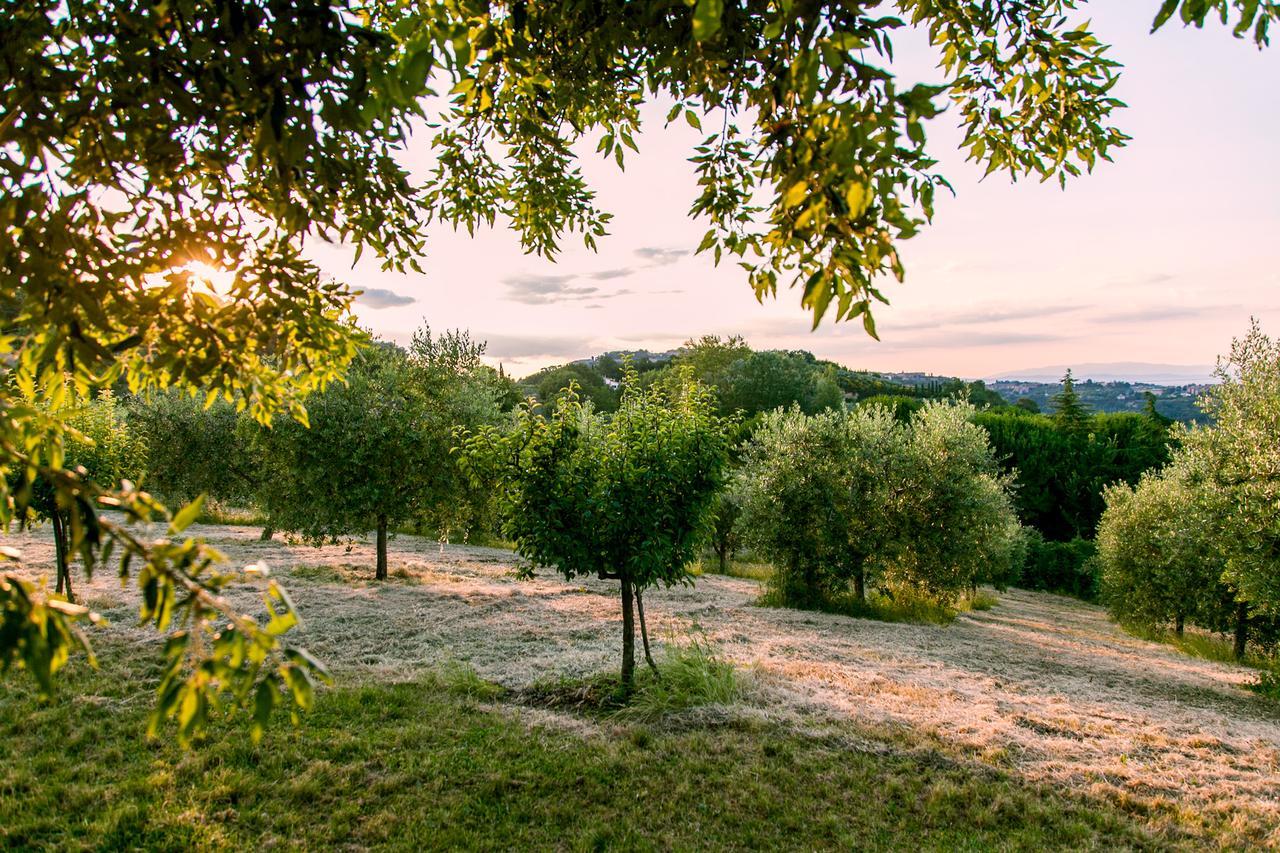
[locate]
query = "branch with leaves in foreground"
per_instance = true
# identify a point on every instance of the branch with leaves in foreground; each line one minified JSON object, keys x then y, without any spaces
{"x":217,"y":658}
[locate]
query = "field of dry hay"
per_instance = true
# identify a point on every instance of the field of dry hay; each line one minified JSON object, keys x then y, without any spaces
{"x":1042,"y":685}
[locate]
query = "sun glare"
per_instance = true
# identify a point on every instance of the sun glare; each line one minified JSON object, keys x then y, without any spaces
{"x":214,"y":279}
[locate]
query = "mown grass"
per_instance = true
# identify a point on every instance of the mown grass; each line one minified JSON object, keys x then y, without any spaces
{"x":433,"y":764}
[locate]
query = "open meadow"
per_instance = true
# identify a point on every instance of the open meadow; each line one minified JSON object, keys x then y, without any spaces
{"x":461,"y":705}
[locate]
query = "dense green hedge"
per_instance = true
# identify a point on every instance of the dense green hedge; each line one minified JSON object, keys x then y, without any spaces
{"x":1067,"y":567}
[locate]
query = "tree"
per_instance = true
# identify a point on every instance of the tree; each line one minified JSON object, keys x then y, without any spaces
{"x":377,"y":453}
{"x":627,"y":496}
{"x":194,"y":450}
{"x":726,"y":530}
{"x":235,"y":132}
{"x":1160,"y":560}
{"x":1069,"y":413}
{"x":1242,"y":450}
{"x":820,"y":495}
{"x":1164,"y":546}
{"x":958,"y":522}
{"x":105,"y":450}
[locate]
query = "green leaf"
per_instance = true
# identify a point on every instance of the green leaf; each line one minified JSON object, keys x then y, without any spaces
{"x":187,"y":515}
{"x":706,"y":19}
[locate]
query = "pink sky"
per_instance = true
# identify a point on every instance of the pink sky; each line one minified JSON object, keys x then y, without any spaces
{"x":1160,"y":257}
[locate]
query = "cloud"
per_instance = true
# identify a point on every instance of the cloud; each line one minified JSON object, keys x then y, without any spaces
{"x":658,"y":256}
{"x":605,"y":275}
{"x":1164,"y":312}
{"x":545,"y":289}
{"x":380,"y":297}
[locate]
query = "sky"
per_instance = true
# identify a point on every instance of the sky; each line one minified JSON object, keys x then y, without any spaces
{"x":1161,"y":257}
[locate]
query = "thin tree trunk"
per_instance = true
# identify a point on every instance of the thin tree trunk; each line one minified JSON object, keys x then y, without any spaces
{"x":644,"y":634}
{"x":722,"y":553}
{"x":381,"y":573}
{"x":59,"y":550}
{"x":1179,"y":623}
{"x":1242,"y":628}
{"x":267,"y":533}
{"x":860,"y":584}
{"x":628,"y":639}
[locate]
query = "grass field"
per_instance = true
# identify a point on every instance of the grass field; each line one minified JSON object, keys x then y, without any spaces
{"x":464,"y":715}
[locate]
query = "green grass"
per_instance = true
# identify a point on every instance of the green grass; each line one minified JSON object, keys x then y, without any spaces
{"x":746,"y":568}
{"x":903,"y":606}
{"x":424,"y":765}
{"x":1201,"y":644}
{"x":215,"y":513}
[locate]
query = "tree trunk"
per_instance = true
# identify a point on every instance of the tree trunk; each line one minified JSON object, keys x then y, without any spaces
{"x":722,"y":553}
{"x":644,"y":634}
{"x":61,"y":558}
{"x":1242,"y":628}
{"x":860,"y":583}
{"x":628,"y":639}
{"x":381,"y":573}
{"x":267,"y":533}
{"x":1179,"y":622}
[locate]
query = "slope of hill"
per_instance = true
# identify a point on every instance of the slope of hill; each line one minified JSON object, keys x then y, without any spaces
{"x":1038,"y":724}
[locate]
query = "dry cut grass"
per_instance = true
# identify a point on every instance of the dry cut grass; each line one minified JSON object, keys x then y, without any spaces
{"x":1040,"y":686}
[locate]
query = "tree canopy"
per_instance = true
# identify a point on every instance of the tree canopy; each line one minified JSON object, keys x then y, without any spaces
{"x":627,"y":496}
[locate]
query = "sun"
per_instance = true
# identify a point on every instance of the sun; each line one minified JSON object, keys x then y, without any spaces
{"x":214,"y":279}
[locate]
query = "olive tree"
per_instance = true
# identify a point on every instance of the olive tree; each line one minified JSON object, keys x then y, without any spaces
{"x":1161,"y":561}
{"x":195,"y":449}
{"x":957,"y":522}
{"x":1242,"y":451}
{"x":1164,"y":547}
{"x":626,"y":496}
{"x":821,"y":498}
{"x":102,"y":448}
{"x":377,"y":452}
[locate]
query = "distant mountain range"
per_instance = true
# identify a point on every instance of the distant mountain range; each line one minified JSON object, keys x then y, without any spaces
{"x":1115,"y":371}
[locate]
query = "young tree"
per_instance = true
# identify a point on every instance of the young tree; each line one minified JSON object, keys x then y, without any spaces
{"x":726,"y":530}
{"x":377,"y":453}
{"x":626,"y":497}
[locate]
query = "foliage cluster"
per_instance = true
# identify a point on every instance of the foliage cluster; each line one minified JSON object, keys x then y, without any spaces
{"x":1195,"y":542}
{"x":626,"y":496}
{"x":842,"y":502}
{"x":1065,"y":567}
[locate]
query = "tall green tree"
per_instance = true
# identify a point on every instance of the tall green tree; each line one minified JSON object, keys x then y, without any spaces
{"x":1069,"y":411}
{"x":627,"y":496}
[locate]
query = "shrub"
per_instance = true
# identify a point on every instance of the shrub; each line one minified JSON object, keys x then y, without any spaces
{"x":1065,"y":567}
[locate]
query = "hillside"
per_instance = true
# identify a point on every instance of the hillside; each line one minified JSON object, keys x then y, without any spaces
{"x":598,"y":374}
{"x":1038,"y":723}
